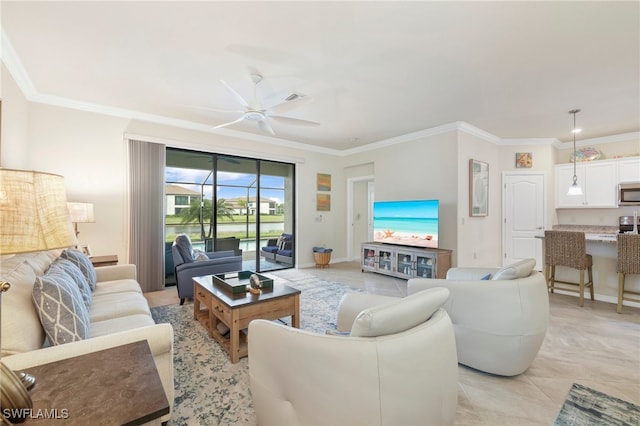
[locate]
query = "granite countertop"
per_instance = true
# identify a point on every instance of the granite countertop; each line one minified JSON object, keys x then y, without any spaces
{"x":593,"y":232}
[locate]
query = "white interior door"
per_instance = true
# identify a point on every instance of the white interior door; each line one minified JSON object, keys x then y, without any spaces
{"x":523,"y":200}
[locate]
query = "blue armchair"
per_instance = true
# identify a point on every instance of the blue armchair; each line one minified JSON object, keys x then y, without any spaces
{"x":190,"y":263}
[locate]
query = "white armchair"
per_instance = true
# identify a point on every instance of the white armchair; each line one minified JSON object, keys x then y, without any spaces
{"x":499,"y":323}
{"x":398,"y":366}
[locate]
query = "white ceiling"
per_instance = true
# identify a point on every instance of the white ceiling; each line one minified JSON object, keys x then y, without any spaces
{"x":376,"y":70}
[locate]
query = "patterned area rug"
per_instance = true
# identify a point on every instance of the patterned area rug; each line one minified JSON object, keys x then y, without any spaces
{"x":585,"y":406}
{"x":209,"y":389}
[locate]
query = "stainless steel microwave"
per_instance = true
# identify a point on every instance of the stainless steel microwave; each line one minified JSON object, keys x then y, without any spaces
{"x":629,"y":194}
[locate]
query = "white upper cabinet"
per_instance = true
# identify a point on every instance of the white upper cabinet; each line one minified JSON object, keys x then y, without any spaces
{"x":598,"y":180}
{"x":629,"y":170}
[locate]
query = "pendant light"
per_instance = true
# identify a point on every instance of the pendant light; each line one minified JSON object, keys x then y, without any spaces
{"x":574,"y":189}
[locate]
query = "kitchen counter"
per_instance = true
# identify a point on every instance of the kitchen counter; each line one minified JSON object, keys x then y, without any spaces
{"x":607,"y":234}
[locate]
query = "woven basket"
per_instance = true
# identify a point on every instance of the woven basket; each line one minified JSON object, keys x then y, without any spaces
{"x":322,"y":259}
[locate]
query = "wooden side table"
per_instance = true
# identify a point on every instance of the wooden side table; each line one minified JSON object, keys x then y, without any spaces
{"x":116,"y":386}
{"x":107,"y":260}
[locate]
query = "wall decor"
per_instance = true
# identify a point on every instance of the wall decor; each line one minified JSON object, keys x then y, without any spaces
{"x":324,"y":182}
{"x":478,"y":188}
{"x":323,"y":202}
{"x":85,"y":249}
{"x":524,"y":160}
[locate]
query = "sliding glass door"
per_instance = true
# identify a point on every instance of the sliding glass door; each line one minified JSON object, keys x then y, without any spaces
{"x":231,"y":203}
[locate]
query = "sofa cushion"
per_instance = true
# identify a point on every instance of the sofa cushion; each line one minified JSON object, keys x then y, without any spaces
{"x":270,"y":249}
{"x":21,"y":328}
{"x":115,"y":325}
{"x":399,"y":315}
{"x":62,"y":312}
{"x":78,"y":277}
{"x":118,"y":305}
{"x":520,"y":269}
{"x":287,"y":253}
{"x":83,"y":263}
{"x":116,"y":286}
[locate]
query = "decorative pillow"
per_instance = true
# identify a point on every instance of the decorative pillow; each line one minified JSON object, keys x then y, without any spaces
{"x":486,"y":277}
{"x":78,"y":277}
{"x":399,"y":315}
{"x":199,"y":255}
{"x":183,"y":243}
{"x":83,"y":263}
{"x":519,"y":269}
{"x":62,"y":313}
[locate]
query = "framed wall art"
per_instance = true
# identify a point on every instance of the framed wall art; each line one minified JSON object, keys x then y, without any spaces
{"x":524,"y":160}
{"x":324,"y":182}
{"x":478,"y":188}
{"x":323,"y":202}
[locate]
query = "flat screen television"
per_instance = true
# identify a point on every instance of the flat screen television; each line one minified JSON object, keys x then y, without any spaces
{"x":408,"y":223}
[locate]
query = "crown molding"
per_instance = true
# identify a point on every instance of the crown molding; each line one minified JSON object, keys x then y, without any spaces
{"x":11,"y":60}
{"x":599,"y":141}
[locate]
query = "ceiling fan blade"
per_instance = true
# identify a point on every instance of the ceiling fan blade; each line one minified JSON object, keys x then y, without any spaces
{"x":294,"y":121}
{"x":235,"y":94}
{"x":229,"y":123}
{"x":225,"y":111}
{"x":287,"y":106}
{"x":265,"y":127}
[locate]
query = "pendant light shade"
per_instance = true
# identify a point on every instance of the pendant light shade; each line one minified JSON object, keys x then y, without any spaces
{"x":574,"y":189}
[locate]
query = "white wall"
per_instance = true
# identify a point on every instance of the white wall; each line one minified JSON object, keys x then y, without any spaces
{"x":479,"y":238}
{"x":15,"y":123}
{"x":419,"y":169}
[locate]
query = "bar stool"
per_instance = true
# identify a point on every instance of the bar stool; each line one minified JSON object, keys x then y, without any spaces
{"x":567,"y":248}
{"x":628,"y":263}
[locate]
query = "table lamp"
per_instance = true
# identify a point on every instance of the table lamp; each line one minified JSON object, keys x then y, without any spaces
{"x":80,"y":213}
{"x":33,"y":217}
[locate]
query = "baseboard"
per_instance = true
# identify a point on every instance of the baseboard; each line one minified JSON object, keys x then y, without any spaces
{"x":599,"y":297}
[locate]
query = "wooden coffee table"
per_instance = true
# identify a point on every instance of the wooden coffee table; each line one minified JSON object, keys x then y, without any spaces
{"x":213,"y":305}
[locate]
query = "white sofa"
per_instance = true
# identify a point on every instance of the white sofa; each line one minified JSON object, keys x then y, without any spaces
{"x":397,"y":366}
{"x":499,"y":322}
{"x":118,"y":314}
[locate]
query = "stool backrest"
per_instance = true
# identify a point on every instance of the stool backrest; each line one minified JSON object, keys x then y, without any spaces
{"x":628,"y":254}
{"x":565,"y":248}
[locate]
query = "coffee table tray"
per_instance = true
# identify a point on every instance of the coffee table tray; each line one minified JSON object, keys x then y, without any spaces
{"x":237,"y":282}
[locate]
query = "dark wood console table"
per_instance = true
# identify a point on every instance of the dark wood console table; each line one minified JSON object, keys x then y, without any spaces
{"x":116,"y":386}
{"x":107,"y":260}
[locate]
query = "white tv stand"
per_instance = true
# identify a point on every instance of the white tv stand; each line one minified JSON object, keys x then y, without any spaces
{"x":404,"y":261}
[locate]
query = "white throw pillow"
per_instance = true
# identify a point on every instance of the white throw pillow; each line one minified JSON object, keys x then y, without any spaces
{"x":519,"y":269}
{"x":399,"y":315}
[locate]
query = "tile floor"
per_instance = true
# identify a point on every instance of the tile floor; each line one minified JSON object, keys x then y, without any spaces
{"x":592,"y":345}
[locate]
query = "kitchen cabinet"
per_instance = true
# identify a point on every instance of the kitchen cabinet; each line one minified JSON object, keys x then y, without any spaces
{"x":599,"y":182}
{"x":629,"y":169}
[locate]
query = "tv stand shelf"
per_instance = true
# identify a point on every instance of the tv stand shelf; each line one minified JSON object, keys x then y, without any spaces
{"x":403,"y":261}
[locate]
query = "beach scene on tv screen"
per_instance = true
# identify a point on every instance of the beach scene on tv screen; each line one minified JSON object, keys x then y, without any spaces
{"x":411,"y":223}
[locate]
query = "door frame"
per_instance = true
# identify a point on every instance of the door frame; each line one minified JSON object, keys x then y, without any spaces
{"x":350,"y":208}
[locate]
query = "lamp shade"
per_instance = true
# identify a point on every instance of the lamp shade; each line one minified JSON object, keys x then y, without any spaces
{"x":33,"y":212}
{"x":81,"y":212}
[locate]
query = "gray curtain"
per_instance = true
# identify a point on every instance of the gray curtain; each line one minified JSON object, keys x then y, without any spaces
{"x":146,"y":210}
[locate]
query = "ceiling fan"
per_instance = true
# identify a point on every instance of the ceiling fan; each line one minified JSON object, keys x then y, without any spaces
{"x":254,"y":111}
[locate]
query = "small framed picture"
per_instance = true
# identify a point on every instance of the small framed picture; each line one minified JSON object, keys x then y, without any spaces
{"x":323,"y":202}
{"x":85,"y":249}
{"x":524,"y":160}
